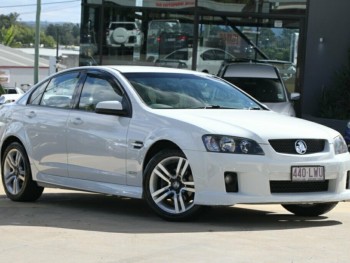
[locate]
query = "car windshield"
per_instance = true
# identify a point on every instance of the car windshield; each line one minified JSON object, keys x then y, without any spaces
{"x":263,"y":89}
{"x":186,"y":91}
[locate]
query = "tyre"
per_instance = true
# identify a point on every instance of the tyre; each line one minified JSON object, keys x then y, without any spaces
{"x":120,"y":35}
{"x":310,"y":209}
{"x":169,"y":188}
{"x":16,"y":175}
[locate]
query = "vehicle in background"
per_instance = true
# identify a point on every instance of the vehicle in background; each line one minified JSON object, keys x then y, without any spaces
{"x":124,"y":34}
{"x":165,"y":36}
{"x":347,"y":135}
{"x":11,"y":95}
{"x":263,"y":82}
{"x":209,"y":60}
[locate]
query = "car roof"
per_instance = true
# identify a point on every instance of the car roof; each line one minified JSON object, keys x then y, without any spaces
{"x":250,"y":70}
{"x":140,"y":69}
{"x":199,"y":49}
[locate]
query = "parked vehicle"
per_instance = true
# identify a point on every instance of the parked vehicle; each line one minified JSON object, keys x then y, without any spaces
{"x":124,"y":34}
{"x":209,"y":60}
{"x":262,"y":81}
{"x":11,"y":95}
{"x":180,"y":139}
{"x":166,"y":35}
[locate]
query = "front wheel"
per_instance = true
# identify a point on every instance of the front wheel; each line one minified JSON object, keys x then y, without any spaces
{"x":316,"y":209}
{"x":16,"y":175}
{"x":169,"y":188}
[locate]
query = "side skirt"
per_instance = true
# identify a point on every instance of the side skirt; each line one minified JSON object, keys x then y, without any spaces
{"x":46,"y":180}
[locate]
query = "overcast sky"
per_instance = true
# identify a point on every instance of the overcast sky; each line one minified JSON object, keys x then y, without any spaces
{"x":51,"y":10}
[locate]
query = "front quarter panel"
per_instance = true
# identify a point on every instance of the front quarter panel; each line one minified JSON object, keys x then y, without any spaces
{"x":146,"y":130}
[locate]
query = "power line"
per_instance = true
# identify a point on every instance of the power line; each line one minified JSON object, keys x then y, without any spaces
{"x":60,"y":2}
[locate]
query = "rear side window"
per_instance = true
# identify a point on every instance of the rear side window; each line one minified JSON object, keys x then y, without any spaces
{"x":126,"y":26}
{"x":37,"y":94}
{"x":58,"y":92}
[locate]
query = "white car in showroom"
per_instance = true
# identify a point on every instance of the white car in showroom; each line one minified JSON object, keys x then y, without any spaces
{"x":209,"y":59}
{"x":179,"y":139}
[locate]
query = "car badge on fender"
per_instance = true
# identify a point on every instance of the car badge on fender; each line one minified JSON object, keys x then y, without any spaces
{"x":300,"y":147}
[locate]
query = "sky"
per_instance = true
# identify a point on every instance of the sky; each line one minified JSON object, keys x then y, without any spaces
{"x":51,"y":10}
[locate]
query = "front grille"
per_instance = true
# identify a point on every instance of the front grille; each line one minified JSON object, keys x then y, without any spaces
{"x":298,"y":187}
{"x":288,"y":146}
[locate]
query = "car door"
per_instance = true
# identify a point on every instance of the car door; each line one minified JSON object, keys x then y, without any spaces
{"x":46,"y":115}
{"x":211,"y":60}
{"x":97,"y":142}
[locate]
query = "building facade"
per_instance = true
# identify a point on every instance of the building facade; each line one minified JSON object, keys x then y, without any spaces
{"x":298,"y":36}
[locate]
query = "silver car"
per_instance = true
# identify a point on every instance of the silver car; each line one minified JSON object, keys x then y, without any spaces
{"x":263,"y":82}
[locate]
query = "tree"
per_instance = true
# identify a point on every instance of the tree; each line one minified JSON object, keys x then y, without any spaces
{"x":16,"y":34}
{"x":68,"y":33}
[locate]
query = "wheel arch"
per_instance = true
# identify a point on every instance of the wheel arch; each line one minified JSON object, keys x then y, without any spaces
{"x":156,"y":147}
{"x":7,"y":142}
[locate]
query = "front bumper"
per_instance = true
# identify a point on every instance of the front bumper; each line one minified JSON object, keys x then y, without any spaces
{"x":255,"y":174}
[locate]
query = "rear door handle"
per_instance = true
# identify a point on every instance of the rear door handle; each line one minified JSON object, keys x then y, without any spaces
{"x":30,"y":114}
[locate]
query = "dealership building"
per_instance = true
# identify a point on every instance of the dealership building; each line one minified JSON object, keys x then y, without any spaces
{"x":306,"y":39}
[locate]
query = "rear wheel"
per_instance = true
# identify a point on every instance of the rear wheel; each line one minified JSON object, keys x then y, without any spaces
{"x":316,"y":209}
{"x":169,"y":186}
{"x":16,"y":175}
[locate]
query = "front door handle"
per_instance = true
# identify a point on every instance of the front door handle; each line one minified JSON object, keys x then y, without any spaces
{"x":77,"y":121}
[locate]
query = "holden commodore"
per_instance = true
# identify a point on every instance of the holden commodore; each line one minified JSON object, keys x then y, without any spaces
{"x":182,"y":140}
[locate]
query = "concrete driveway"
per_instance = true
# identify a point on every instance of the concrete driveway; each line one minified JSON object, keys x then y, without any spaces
{"x":67,"y":226}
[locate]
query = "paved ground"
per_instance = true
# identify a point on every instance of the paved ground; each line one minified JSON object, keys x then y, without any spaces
{"x":67,"y":226}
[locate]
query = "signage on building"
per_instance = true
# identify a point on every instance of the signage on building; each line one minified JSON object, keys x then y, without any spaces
{"x":4,"y":76}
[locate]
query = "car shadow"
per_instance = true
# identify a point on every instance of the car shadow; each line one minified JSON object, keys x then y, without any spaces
{"x":95,"y":212}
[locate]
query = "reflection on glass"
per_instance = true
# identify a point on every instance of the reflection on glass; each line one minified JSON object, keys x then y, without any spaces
{"x":255,"y":6}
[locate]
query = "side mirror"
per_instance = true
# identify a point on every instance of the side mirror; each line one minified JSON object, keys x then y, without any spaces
{"x":294,"y":96}
{"x":111,"y":107}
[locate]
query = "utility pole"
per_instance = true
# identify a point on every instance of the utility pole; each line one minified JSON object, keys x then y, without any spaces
{"x":57,"y":48}
{"x":37,"y":41}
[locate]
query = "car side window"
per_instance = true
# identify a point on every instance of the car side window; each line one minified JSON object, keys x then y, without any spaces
{"x":220,"y":55}
{"x":59,"y":92}
{"x":95,"y":90}
{"x":208,"y":55}
{"x":37,"y":94}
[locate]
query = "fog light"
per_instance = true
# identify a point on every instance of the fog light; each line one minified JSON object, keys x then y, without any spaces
{"x":231,"y":182}
{"x":348,"y":180}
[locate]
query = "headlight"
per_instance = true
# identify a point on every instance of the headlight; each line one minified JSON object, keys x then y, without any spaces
{"x":230,"y":144}
{"x":339,"y":145}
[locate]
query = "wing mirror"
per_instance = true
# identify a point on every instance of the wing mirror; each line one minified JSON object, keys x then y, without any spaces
{"x":294,"y":96}
{"x":111,"y":107}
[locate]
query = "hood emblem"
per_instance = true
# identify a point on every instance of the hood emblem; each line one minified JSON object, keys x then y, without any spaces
{"x":300,"y":147}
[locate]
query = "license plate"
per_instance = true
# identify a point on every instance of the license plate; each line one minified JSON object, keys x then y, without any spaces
{"x":308,"y":173}
{"x":171,"y":39}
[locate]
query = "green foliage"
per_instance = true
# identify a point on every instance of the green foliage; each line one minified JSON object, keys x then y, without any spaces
{"x":7,"y":35}
{"x":16,"y":34}
{"x":335,"y":101}
{"x":68,"y":33}
{"x":2,"y":91}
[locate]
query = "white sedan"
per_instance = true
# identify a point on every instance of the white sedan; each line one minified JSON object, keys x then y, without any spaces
{"x":180,"y":139}
{"x":209,"y":60}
